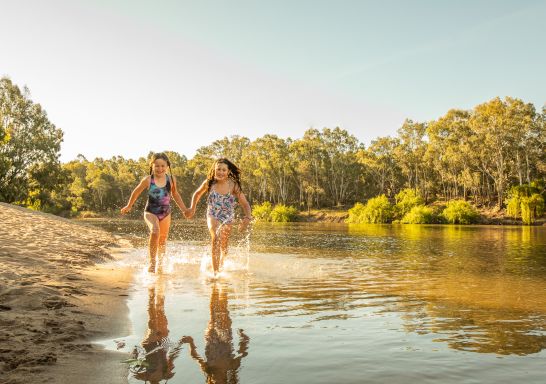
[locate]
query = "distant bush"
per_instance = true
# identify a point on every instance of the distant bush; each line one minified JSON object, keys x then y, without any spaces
{"x":525,"y":202}
{"x":376,"y":211}
{"x":531,"y":208}
{"x":419,"y":214}
{"x":406,"y":199}
{"x":460,"y":212}
{"x":283,"y":214}
{"x":356,"y":213}
{"x":262,"y":212}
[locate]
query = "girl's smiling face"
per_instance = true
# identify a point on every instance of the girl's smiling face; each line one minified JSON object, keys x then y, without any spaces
{"x":159,"y":167}
{"x":221,"y":172}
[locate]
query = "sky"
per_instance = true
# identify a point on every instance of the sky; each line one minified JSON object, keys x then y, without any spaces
{"x":126,"y":77}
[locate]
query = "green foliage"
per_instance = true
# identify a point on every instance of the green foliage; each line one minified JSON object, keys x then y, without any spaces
{"x":419,"y":214}
{"x":460,"y":212}
{"x":472,"y":154}
{"x":356,"y":214}
{"x":278,"y":214}
{"x":283,"y":214}
{"x":531,"y":208}
{"x":30,"y":170}
{"x":377,"y":210}
{"x":504,"y":130}
{"x":262,"y":212}
{"x":525,"y":202}
{"x":406,"y":199}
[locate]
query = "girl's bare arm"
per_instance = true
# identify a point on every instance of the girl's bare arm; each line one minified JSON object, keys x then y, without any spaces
{"x":243,"y":202}
{"x":197,"y":195}
{"x":144,"y":183}
{"x":178,"y":199}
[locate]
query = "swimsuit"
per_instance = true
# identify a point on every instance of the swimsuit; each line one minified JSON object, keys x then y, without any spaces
{"x":159,"y":199}
{"x":221,"y":207}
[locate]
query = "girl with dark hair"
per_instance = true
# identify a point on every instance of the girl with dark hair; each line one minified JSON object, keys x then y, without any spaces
{"x":223,"y":185}
{"x":157,"y":213}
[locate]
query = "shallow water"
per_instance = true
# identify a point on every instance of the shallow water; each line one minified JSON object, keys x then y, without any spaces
{"x":342,"y":303}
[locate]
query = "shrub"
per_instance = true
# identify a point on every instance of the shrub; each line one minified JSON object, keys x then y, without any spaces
{"x":376,"y":211}
{"x":283,"y":214}
{"x":531,"y":208}
{"x":406,"y":199}
{"x":526,"y":202}
{"x":460,"y":212}
{"x":419,"y":214}
{"x":262,"y":212}
{"x":356,"y":214}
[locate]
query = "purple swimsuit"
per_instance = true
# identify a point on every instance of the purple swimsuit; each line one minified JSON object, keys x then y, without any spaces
{"x":159,"y":199}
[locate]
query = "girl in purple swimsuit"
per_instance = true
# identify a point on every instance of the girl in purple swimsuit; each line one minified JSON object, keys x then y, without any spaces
{"x":157,"y":214}
{"x":223,"y":184}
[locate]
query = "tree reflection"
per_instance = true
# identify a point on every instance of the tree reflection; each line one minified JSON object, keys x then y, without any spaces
{"x":503,"y":332}
{"x":220,"y":364}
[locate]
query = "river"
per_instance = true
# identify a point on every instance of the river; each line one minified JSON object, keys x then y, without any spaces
{"x":325,"y":303}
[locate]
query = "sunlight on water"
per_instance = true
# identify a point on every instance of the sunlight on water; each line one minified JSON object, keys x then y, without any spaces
{"x":337,"y":303}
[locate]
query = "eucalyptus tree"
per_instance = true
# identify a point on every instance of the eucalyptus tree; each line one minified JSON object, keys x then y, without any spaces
{"x":308,"y":163}
{"x":77,"y":188}
{"x":410,"y":154}
{"x":497,"y":126}
{"x":267,"y":161}
{"x":449,"y":153}
{"x":29,"y":149}
{"x":527,"y":138}
{"x":540,"y":164}
{"x":379,"y":161}
{"x":101,"y":184}
{"x":341,"y":164}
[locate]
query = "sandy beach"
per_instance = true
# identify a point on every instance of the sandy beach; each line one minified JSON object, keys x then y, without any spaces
{"x":56,"y":296}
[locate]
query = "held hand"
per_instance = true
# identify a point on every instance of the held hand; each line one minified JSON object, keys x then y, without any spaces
{"x":125,"y":209}
{"x":187,"y":339}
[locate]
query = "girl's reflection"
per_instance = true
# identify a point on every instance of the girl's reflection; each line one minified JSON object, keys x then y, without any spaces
{"x":158,"y":353}
{"x":221,"y":364}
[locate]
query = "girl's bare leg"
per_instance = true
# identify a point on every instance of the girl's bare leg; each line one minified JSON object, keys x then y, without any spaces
{"x":153,"y":225}
{"x":164,"y":226}
{"x":224,"y":240}
{"x":213,"y":225}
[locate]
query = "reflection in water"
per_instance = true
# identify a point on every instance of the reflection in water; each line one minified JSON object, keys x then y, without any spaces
{"x":472,"y":299}
{"x":412,"y":293}
{"x":157,"y":353}
{"x":479,"y":330}
{"x":220,"y":364}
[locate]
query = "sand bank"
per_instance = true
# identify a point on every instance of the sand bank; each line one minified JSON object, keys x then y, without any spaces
{"x":55,"y":297}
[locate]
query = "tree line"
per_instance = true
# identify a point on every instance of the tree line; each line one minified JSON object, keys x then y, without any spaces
{"x":475,"y":155}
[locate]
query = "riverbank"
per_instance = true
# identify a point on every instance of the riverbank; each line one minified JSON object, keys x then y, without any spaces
{"x":488,"y":216}
{"x":323,"y":216}
{"x":56,"y":296}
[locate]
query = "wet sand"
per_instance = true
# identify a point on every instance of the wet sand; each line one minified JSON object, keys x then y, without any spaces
{"x":56,"y":296}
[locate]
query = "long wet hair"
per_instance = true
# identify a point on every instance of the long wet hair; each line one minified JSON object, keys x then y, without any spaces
{"x":234,"y":173}
{"x":162,"y":156}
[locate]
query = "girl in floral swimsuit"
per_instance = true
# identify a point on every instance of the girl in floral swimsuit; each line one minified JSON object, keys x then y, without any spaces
{"x":223,"y":185}
{"x":157,"y":214}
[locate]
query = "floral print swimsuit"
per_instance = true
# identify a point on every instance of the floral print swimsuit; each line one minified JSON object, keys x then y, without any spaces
{"x":221,"y":207}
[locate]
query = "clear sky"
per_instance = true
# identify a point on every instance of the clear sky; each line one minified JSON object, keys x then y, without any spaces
{"x":125,"y":77}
